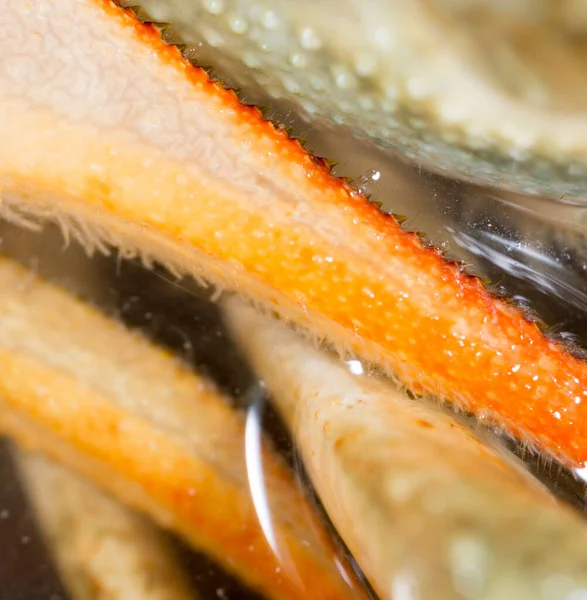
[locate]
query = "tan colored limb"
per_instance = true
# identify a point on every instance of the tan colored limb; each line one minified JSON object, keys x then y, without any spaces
{"x":103,"y":550}
{"x":133,"y":420}
{"x":422,"y":503}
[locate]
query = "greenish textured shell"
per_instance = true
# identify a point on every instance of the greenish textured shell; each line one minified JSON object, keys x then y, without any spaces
{"x":423,"y":78}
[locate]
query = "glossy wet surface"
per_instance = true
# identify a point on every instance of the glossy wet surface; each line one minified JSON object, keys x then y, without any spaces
{"x":532,"y":250}
{"x":536,"y":263}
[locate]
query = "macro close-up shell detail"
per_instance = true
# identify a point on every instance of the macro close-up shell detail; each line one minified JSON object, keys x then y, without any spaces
{"x":422,"y":411}
{"x":466,"y":88}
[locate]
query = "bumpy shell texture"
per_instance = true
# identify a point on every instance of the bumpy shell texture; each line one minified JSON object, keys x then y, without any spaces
{"x":485,"y":91}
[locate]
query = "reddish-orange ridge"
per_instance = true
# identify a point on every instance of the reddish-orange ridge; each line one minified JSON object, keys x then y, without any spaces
{"x":473,"y":349}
